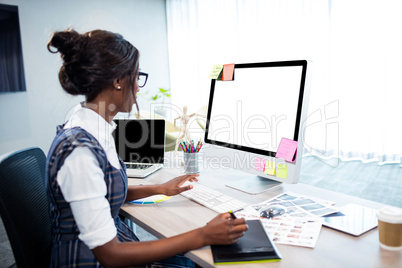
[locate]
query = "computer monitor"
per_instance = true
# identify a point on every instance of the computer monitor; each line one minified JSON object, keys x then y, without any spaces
{"x":248,"y":117}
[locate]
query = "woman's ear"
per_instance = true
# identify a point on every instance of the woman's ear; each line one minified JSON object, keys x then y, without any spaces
{"x":116,"y":84}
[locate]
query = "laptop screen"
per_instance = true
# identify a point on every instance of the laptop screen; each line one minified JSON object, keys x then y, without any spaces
{"x":140,"y":140}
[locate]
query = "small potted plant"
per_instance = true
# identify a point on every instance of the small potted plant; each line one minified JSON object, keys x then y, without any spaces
{"x":162,"y":95}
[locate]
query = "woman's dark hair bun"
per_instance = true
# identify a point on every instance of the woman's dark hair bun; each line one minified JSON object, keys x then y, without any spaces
{"x":93,"y":60}
{"x":68,"y":43}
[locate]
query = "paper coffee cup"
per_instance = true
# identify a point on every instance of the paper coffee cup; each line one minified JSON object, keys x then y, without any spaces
{"x":390,"y":228}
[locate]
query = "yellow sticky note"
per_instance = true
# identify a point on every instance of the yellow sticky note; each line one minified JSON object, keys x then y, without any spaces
{"x":216,"y":72}
{"x":270,"y":167}
{"x":282,"y":171}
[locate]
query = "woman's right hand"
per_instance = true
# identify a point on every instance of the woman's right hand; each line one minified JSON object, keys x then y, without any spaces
{"x":224,"y":230}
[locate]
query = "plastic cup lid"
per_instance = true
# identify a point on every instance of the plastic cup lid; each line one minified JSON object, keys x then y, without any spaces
{"x":390,"y":215}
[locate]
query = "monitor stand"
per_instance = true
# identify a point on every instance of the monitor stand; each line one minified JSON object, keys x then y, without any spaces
{"x":253,"y":184}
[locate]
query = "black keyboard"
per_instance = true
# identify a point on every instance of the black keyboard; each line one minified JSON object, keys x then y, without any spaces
{"x":138,"y":166}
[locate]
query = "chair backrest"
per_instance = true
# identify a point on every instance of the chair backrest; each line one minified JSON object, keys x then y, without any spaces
{"x":24,"y":207}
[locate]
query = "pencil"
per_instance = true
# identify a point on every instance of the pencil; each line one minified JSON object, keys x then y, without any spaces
{"x":232,"y":215}
{"x":200,"y":147}
{"x":183,"y":144}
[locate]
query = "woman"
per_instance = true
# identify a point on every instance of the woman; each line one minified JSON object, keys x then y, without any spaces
{"x":86,"y":180}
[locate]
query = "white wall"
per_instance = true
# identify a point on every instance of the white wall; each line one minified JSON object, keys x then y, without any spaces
{"x":30,"y":118}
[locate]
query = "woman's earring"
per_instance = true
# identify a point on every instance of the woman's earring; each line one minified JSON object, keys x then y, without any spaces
{"x":118,"y":87}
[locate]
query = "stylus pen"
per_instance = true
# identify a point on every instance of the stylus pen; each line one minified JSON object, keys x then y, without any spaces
{"x":232,"y":214}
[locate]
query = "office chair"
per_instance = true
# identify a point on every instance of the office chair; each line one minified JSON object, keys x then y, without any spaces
{"x":24,"y":206}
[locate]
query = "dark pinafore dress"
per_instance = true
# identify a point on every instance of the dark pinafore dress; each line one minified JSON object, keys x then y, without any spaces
{"x":67,"y":249}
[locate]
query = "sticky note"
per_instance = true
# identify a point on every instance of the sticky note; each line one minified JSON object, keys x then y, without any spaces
{"x":270,"y":167}
{"x":228,"y":72}
{"x":216,"y":72}
{"x":260,"y":164}
{"x":287,"y":150}
{"x":282,"y":171}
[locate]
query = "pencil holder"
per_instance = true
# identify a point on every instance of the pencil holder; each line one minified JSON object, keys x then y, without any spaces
{"x":191,"y":163}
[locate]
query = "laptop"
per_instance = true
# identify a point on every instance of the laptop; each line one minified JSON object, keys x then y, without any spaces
{"x":140,"y":143}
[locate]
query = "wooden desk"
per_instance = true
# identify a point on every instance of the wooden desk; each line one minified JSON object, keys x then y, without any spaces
{"x":333,"y":248}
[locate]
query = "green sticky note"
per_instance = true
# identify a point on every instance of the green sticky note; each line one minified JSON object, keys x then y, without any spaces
{"x":282,"y":171}
{"x":270,"y":168}
{"x":216,"y":72}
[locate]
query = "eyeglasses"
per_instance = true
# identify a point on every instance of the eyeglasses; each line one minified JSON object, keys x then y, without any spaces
{"x":142,"y":79}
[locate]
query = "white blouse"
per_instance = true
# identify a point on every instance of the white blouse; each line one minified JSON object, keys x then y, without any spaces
{"x":82,"y":180}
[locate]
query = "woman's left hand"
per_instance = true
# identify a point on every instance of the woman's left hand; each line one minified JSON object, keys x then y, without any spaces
{"x":173,"y":187}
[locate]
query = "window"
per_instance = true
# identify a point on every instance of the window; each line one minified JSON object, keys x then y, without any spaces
{"x":12,"y":77}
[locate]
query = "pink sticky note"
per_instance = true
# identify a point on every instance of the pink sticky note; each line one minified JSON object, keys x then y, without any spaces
{"x":228,"y":72}
{"x":260,"y":164}
{"x":287,"y":150}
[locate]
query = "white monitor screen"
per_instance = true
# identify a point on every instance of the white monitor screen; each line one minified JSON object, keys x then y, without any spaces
{"x":259,"y":107}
